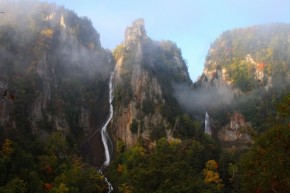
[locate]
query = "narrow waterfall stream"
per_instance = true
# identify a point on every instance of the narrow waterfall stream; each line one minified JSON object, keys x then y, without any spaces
{"x":207,"y":127}
{"x":105,"y":136}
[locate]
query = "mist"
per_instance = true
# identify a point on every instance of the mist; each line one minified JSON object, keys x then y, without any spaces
{"x":21,"y":26}
{"x":201,"y":98}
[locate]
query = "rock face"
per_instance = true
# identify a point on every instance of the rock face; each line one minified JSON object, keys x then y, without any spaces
{"x":250,"y":64}
{"x":238,"y":129}
{"x":135,"y":34}
{"x":141,"y":92}
{"x":222,"y":77}
{"x":57,"y":71}
{"x":249,"y":58}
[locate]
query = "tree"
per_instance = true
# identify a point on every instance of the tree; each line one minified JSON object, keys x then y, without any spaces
{"x":62,"y":188}
{"x":7,"y":148}
{"x":211,"y":175}
{"x":264,"y":167}
{"x":47,"y":33}
{"x":15,"y":185}
{"x":125,"y":188}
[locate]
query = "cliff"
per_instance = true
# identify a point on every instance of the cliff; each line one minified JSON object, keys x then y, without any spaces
{"x":53,"y":65}
{"x":249,"y":58}
{"x":145,"y":71}
{"x":253,"y":65}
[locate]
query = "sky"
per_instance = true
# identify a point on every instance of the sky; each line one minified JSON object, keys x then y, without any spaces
{"x":192,"y":24}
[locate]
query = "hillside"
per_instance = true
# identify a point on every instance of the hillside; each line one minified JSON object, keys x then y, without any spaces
{"x":251,"y":57}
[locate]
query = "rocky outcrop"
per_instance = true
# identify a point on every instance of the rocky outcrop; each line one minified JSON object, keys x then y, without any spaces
{"x":249,"y":58}
{"x":140,"y":91}
{"x":123,"y":123}
{"x":135,"y":35}
{"x":215,"y":77}
{"x":141,"y":84}
{"x":259,"y":72}
{"x":221,"y":76}
{"x":237,"y":130}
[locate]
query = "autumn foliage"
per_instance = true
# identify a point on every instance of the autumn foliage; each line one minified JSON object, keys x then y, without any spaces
{"x":47,"y":33}
{"x":7,"y":149}
{"x":211,"y":174}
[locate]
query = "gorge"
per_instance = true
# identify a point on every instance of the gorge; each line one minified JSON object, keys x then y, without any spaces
{"x":69,"y":106}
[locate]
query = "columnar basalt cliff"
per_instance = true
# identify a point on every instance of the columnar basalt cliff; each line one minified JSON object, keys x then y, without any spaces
{"x":145,"y":72}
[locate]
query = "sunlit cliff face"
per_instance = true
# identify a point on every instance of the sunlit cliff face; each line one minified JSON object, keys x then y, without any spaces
{"x":142,"y":64}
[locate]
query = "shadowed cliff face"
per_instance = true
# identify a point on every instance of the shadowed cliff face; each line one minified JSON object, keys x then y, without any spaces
{"x":145,"y":72}
{"x":53,"y":65}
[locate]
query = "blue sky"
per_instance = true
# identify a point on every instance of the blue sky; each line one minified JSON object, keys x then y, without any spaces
{"x":192,"y":24}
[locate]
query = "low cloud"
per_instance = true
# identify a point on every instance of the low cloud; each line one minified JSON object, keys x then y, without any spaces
{"x":201,"y":98}
{"x":71,"y":53}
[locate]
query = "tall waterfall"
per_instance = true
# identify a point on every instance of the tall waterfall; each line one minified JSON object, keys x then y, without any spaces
{"x":207,"y":128}
{"x":104,"y":133}
{"x":105,"y":137}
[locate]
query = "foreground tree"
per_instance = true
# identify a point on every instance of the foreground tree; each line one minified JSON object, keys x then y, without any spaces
{"x":265,"y":168}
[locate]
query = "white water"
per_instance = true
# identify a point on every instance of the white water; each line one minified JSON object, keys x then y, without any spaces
{"x":207,"y":128}
{"x":104,"y":133}
{"x":107,"y":181}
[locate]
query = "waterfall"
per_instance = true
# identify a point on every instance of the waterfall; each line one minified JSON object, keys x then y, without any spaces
{"x":104,"y":134}
{"x":207,"y":128}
